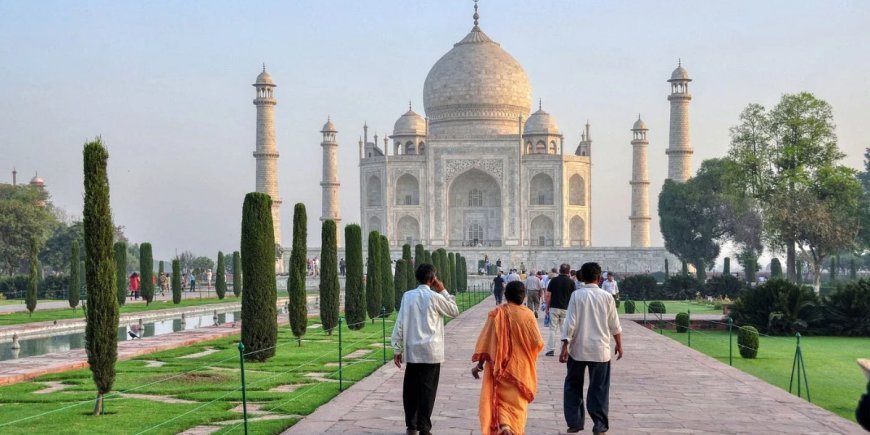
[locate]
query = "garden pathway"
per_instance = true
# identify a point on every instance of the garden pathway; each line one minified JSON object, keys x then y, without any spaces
{"x":660,"y":386}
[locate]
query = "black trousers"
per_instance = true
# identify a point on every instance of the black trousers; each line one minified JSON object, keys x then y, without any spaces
{"x":418,"y":395}
{"x":597,"y":397}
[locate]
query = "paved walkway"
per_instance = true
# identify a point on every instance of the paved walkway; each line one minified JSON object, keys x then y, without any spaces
{"x":660,"y":386}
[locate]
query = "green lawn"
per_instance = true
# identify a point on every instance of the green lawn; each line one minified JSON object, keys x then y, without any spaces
{"x":835,"y":380}
{"x":21,"y":302}
{"x":210,"y":383}
{"x":674,"y":307}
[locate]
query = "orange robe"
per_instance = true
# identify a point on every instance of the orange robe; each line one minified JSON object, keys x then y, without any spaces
{"x":509,"y":344}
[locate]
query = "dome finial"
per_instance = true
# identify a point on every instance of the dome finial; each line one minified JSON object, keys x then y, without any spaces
{"x":264,"y":66}
{"x":409,"y":105}
{"x":679,"y":62}
{"x":476,"y":15}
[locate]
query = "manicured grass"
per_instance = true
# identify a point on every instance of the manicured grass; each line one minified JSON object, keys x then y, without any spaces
{"x":212,"y":382}
{"x":674,"y":307}
{"x":836,"y":382}
{"x":21,"y":301}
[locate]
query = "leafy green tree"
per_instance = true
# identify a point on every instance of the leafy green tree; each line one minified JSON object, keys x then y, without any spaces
{"x":56,"y":251}
{"x":259,"y":311}
{"x":237,"y":273}
{"x":75,"y":286}
{"x":220,"y":283}
{"x":101,"y":330}
{"x":33,"y":282}
{"x":749,"y":262}
{"x":782,"y":154}
{"x":329,"y":284}
{"x":778,"y":307}
{"x":639,"y":287}
{"x":298,"y":299}
{"x":400,"y":285}
{"x":176,"y":281}
{"x":25,"y":215}
{"x":845,"y":310}
{"x":354,"y":290}
{"x":374,"y":291}
{"x":146,"y":272}
{"x":775,"y":269}
{"x":388,"y":299}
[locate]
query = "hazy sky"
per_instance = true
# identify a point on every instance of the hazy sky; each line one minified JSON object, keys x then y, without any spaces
{"x":168,"y":86}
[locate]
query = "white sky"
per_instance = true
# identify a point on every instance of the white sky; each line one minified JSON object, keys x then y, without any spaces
{"x":167,"y":85}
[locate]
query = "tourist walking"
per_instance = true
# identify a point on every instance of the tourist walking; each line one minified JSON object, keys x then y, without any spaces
{"x":164,"y":280}
{"x":609,"y":285}
{"x":533,"y":293}
{"x":507,"y":352}
{"x":418,"y":341}
{"x":512,"y":276}
{"x":497,"y":287}
{"x":558,"y":294}
{"x":192,"y":279}
{"x":591,"y":325}
{"x":342,"y":266}
{"x":134,"y":285}
{"x":208,"y":276}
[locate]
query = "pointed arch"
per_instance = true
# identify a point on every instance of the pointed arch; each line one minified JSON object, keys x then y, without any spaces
{"x":576,"y":190}
{"x":541,"y":190}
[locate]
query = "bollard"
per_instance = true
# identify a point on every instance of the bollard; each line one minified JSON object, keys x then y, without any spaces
{"x":340,"y":374}
{"x":384,"y":331}
{"x":730,"y":342}
{"x":689,"y":330}
{"x":244,"y":391}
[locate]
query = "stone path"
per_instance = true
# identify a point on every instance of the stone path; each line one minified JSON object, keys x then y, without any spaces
{"x":660,"y":386}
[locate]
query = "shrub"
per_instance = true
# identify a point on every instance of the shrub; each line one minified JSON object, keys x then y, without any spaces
{"x":680,"y":287}
{"x":638,"y":287}
{"x":329,"y":285}
{"x":101,"y":330}
{"x":354,"y":292}
{"x":775,"y":269}
{"x":121,"y":272}
{"x":747,"y":342}
{"x":847,"y":310}
{"x":723,"y":286}
{"x":682,"y":322}
{"x":629,"y":307}
{"x":297,"y":298}
{"x":259,"y":313}
{"x":777,"y":307}
{"x":656,"y":307}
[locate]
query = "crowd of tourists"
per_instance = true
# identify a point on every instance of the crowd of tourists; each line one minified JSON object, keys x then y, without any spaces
{"x":579,"y":312}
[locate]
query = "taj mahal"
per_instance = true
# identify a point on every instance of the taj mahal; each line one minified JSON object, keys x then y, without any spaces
{"x":482,"y":174}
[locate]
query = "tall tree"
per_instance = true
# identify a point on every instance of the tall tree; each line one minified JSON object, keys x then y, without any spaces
{"x":237,"y":273}
{"x":56,"y":250}
{"x":220,"y":282}
{"x":259,"y":311}
{"x":298,"y":298}
{"x":146,"y":272}
{"x":33,"y":282}
{"x":101,"y":330}
{"x":374,"y":292}
{"x":427,"y":257}
{"x":406,"y":255}
{"x":451,"y":267}
{"x":726,"y":266}
{"x":176,"y":281}
{"x":419,"y":256}
{"x":25,"y":215}
{"x":160,"y":271}
{"x":329,"y":284}
{"x":388,"y":298}
{"x":354,"y":289}
{"x":75,"y":286}
{"x":400,"y":285}
{"x":780,"y":153}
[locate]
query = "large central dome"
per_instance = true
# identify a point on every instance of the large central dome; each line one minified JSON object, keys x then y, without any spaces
{"x":476,"y":89}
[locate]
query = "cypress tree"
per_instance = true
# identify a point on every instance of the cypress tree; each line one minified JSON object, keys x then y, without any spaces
{"x":33,"y":282}
{"x":419,"y":258}
{"x":427,"y":257}
{"x":726,"y":267}
{"x":74,"y":281}
{"x":400,"y":284}
{"x":120,"y":249}
{"x":410,"y":279}
{"x":354,"y":291}
{"x":451,"y":267}
{"x":388,"y":298}
{"x":259,"y":313}
{"x":458,"y":272}
{"x":329,"y":284}
{"x":176,"y":281}
{"x":775,"y":268}
{"x":374,"y":292}
{"x":667,"y":272}
{"x":406,"y":252}
{"x":237,"y":273}
{"x":82,"y":283}
{"x":220,"y":282}
{"x":101,"y":330}
{"x":441,"y":265}
{"x":403,"y":278}
{"x":146,"y":272}
{"x":298,"y":300}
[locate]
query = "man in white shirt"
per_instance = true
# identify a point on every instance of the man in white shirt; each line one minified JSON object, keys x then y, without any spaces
{"x":609,"y":285}
{"x":512,"y":276}
{"x":418,"y":340}
{"x":590,"y":322}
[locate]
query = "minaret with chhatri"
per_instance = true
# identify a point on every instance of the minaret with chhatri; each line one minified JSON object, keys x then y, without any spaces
{"x":639,"y":187}
{"x":267,"y":152}
{"x":679,"y":144}
{"x":330,"y":182}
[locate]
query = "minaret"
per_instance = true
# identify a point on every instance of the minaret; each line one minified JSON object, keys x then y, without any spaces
{"x":267,"y":152}
{"x":330,"y":177}
{"x":679,"y":145}
{"x":639,"y":187}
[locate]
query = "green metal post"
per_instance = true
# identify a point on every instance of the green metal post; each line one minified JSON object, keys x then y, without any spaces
{"x":730,"y":341}
{"x":644,"y":312}
{"x":340,"y":374}
{"x":384,"y":327}
{"x":801,"y":369}
{"x":689,"y":330}
{"x":244,"y":390}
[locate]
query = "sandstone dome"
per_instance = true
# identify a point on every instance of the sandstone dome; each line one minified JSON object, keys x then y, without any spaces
{"x":476,"y":89}
{"x":410,"y":124}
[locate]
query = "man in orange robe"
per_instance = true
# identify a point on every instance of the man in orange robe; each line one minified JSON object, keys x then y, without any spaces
{"x":507,"y":350}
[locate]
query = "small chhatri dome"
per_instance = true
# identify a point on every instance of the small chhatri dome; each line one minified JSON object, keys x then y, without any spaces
{"x":680,"y":73}
{"x":264,"y":78}
{"x":37,"y":181}
{"x":541,"y":122}
{"x":411,"y":123}
{"x":639,"y":124}
{"x":329,"y":127}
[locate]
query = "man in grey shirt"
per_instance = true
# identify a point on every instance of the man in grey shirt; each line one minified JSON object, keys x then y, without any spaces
{"x":533,"y":293}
